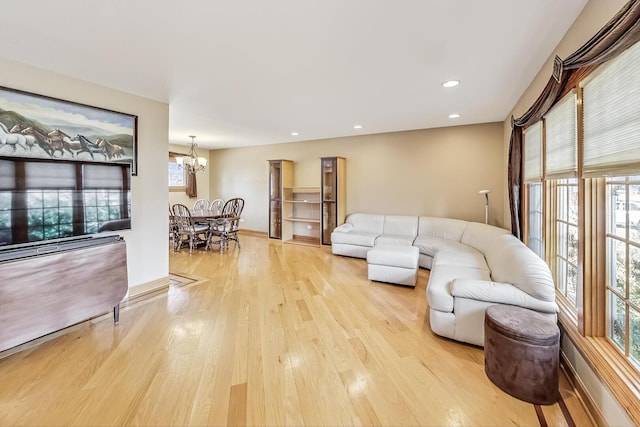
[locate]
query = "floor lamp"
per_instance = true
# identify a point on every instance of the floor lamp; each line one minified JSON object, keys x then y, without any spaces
{"x":486,"y":204}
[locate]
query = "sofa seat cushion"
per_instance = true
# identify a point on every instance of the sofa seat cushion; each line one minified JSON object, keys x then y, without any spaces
{"x":354,"y":237}
{"x":430,"y":245}
{"x":464,"y":257}
{"x":439,"y":287}
{"x":394,"y":239}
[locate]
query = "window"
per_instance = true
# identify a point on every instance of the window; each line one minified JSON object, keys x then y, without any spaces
{"x":177,"y":175}
{"x":535,"y":240}
{"x":566,"y":242}
{"x":623,"y":265}
{"x":5,"y":217}
{"x":43,"y":200}
{"x":50,"y":214}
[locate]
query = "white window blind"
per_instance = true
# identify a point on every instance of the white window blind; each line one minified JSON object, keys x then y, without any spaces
{"x":561,"y":131}
{"x":533,"y":153}
{"x":7,"y":175}
{"x":50,"y":175}
{"x":612,"y":117}
{"x":103,"y":176}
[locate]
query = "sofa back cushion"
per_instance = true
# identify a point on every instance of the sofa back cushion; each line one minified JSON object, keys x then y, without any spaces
{"x":482,"y":236}
{"x":371,"y":223}
{"x":444,"y":228}
{"x":511,"y":261}
{"x":401,"y":225}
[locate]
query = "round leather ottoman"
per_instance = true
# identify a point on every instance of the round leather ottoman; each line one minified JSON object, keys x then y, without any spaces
{"x":521,"y":353}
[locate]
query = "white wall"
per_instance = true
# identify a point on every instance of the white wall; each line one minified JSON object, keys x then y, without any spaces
{"x":147,"y":241}
{"x":435,"y":172}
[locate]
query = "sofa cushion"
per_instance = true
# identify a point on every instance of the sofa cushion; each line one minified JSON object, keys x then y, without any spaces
{"x":400,"y":225}
{"x":465,"y":257}
{"x":445,"y":228}
{"x":482,"y":236}
{"x":394,"y":239}
{"x":431,"y":245}
{"x":370,"y":223}
{"x":499,"y":293}
{"x":354,"y":237}
{"x":518,"y":265}
{"x":396,"y":256}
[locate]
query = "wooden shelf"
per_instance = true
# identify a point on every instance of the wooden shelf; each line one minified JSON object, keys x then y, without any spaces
{"x":303,"y":189}
{"x":311,"y":220}
{"x":303,"y":201}
{"x":304,"y":240}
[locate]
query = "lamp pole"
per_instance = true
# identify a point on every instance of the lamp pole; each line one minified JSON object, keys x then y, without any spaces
{"x":486,"y":204}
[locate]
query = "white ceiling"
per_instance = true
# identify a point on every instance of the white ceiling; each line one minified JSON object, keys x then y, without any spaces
{"x":249,"y":72}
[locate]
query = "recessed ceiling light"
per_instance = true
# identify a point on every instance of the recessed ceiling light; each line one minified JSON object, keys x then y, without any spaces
{"x":294,"y":134}
{"x":451,"y":83}
{"x":454,"y":115}
{"x":357,"y":126}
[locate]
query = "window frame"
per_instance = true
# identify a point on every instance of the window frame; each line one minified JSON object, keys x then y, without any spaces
{"x":177,"y":188}
{"x":587,"y":326}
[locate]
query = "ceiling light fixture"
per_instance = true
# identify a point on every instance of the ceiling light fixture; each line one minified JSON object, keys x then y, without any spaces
{"x":294,"y":134}
{"x":451,"y":83}
{"x":357,"y":126}
{"x":454,"y":115}
{"x":192,"y":161}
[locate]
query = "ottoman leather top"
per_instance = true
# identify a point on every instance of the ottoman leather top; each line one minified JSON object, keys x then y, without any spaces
{"x":392,"y":255}
{"x":522,"y":325}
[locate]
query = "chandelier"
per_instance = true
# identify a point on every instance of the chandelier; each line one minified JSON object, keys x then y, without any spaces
{"x":192,"y":161}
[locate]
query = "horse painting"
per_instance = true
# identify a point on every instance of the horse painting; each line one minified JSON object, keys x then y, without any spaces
{"x":114,"y":151}
{"x":89,"y":147}
{"x":59,"y":141}
{"x":12,"y":139}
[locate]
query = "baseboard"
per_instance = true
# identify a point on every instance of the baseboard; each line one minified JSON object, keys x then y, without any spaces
{"x":253,"y":233}
{"x":152,"y":286}
{"x":587,"y":402}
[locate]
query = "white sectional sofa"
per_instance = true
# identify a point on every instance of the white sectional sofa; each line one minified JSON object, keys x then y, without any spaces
{"x":472,"y":265}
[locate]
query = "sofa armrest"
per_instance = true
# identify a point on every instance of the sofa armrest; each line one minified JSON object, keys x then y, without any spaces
{"x":344,"y":228}
{"x":500,"y":293}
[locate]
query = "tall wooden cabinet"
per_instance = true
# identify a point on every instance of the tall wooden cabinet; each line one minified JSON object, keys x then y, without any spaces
{"x":334,"y":192}
{"x":306,"y":215}
{"x":280,"y":176}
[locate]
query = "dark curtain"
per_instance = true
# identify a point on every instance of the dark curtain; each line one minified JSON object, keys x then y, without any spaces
{"x":620,"y":33}
{"x":192,"y":187}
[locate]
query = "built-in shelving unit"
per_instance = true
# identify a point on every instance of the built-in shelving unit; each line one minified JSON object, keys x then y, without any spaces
{"x":306,"y":215}
{"x":301,"y":215}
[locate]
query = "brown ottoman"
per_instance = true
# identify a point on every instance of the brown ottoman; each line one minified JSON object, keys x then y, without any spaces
{"x":521,"y":353}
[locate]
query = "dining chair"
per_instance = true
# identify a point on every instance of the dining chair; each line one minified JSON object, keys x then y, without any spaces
{"x":172,"y":229}
{"x":187,"y":229}
{"x":216,"y":206}
{"x":201,"y":205}
{"x":226,"y":226}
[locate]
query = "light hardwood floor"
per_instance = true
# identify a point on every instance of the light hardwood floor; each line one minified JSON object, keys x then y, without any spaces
{"x":272,"y":334}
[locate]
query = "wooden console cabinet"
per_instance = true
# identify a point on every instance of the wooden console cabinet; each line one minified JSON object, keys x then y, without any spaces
{"x":49,"y":287}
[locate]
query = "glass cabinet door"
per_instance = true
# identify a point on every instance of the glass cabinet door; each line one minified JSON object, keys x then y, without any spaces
{"x":329,"y":205}
{"x":275,"y":211}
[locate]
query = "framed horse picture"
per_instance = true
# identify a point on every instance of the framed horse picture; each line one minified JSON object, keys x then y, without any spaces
{"x":38,"y":126}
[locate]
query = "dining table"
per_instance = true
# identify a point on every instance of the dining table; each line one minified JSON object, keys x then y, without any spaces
{"x":203,"y":215}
